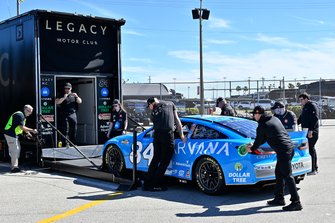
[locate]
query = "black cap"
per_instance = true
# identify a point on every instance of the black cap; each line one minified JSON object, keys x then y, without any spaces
{"x":116,"y":102}
{"x":258,"y":110}
{"x":150,"y":101}
{"x":218,"y":100}
{"x":68,"y":85}
{"x":278,"y":104}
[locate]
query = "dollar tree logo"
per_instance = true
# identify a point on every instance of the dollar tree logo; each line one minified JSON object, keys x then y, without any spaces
{"x":238,"y":166}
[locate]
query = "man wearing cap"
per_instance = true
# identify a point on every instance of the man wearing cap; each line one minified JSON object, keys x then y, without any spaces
{"x":226,"y":109}
{"x":287,"y":117}
{"x":271,"y":130}
{"x":68,"y":117}
{"x":118,"y":121}
{"x":164,"y":116}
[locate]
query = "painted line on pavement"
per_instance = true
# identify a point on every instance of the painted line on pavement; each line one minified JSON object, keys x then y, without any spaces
{"x":79,"y":209}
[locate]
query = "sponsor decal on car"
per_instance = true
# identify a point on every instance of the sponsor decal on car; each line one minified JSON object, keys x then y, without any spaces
{"x":242,"y":150}
{"x":238,"y":166}
{"x":183,"y":164}
{"x":239,"y":177}
{"x":181,"y":173}
{"x":188,"y":174}
{"x":196,"y":148}
{"x":296,"y":166}
{"x":266,"y":156}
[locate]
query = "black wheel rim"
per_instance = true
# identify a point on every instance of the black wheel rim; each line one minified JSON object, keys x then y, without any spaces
{"x":208,"y":175}
{"x":114,"y":160}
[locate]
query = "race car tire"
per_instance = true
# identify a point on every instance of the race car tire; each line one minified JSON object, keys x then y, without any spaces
{"x":209,"y":176}
{"x":114,"y":161}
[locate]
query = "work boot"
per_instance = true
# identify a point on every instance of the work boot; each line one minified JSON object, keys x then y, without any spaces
{"x":294,"y":206}
{"x":146,"y":186}
{"x":314,"y":172}
{"x":16,"y":170}
{"x":276,"y":202}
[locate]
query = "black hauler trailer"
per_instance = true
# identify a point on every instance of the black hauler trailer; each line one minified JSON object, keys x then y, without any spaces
{"x":40,"y":51}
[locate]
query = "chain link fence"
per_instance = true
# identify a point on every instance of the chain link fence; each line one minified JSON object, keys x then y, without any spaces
{"x":242,"y":95}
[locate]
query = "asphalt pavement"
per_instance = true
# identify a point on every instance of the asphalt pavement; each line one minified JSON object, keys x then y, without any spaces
{"x":40,"y":195}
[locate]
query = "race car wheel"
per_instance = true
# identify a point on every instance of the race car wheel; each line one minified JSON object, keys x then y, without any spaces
{"x":209,"y":176}
{"x":115,"y":161}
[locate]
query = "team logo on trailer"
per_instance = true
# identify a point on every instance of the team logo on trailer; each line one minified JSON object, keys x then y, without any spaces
{"x":45,"y":92}
{"x":104,"y":92}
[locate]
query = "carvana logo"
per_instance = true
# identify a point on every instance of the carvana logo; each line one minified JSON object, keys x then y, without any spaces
{"x":104,"y":92}
{"x":45,"y":92}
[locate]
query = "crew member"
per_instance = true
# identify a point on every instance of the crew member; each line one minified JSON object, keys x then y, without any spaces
{"x":226,"y":109}
{"x":287,"y":117}
{"x":118,"y":122}
{"x":164,"y":116}
{"x":271,"y":130}
{"x":309,"y":119}
{"x":68,"y":117}
{"x":16,"y":125}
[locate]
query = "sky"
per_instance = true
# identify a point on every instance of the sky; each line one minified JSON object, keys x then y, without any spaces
{"x":242,"y":39}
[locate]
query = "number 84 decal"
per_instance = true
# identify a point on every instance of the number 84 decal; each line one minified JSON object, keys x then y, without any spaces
{"x":147,"y":154}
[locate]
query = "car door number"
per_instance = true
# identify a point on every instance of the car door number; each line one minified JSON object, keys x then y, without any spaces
{"x":147,"y":154}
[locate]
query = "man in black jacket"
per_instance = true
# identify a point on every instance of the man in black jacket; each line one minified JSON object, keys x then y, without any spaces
{"x":309,"y":119}
{"x":272,"y":131}
{"x":287,"y":117}
{"x":164,"y":117}
{"x":226,"y":109}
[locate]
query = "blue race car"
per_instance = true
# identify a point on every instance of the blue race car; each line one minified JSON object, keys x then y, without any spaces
{"x":214,"y":155}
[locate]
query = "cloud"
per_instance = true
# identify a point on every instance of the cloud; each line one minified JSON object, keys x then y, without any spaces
{"x":131,"y":32}
{"x":313,"y":61}
{"x":308,"y":21}
{"x":279,"y":41}
{"x":215,"y":23}
{"x":157,"y":74}
{"x":272,"y":40}
{"x":186,"y":55}
{"x":289,"y":63}
{"x":219,"y":42}
{"x":100,"y":10}
{"x":134,"y":69}
{"x":141,"y":60}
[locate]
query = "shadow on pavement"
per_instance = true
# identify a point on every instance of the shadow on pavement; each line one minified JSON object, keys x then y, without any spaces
{"x":188,"y":194}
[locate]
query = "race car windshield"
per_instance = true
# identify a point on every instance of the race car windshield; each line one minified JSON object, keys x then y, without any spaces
{"x":244,"y":127}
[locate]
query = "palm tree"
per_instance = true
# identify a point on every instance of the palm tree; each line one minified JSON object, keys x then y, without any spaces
{"x":291,"y":86}
{"x":238,"y":89}
{"x":245,"y":89}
